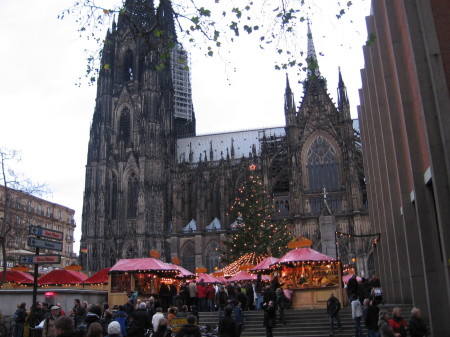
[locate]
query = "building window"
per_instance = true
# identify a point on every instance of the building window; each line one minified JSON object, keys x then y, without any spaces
{"x":322,"y":166}
{"x":125,"y":126}
{"x":128,"y":66}
{"x":132,"y":196}
{"x":188,"y":257}
{"x":114,"y":197}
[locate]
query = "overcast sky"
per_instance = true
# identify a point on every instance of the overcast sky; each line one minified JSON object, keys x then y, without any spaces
{"x":46,"y":117}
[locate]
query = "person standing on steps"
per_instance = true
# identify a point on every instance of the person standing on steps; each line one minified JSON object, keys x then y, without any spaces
{"x":357,"y":314}
{"x":333,"y":308}
{"x":270,"y":315}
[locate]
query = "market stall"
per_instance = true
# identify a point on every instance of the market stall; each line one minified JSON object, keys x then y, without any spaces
{"x":311,"y":275}
{"x":140,"y":276}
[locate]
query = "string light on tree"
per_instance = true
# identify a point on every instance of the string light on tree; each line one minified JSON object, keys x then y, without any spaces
{"x":254,"y":230}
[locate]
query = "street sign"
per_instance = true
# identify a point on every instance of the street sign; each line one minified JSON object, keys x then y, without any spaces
{"x":40,"y":259}
{"x":52,"y":245}
{"x":46,"y":233}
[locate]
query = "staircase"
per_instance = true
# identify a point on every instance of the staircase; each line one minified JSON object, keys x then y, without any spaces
{"x":307,"y":322}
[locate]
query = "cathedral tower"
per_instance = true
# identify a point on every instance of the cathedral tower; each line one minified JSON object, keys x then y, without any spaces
{"x":132,"y":139}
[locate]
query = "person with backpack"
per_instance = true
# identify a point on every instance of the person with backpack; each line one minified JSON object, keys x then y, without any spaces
{"x":221,"y":300}
{"x":19,"y":318}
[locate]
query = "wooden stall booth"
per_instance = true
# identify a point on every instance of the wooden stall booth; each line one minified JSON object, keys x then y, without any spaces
{"x":142,"y":277}
{"x":311,"y":275}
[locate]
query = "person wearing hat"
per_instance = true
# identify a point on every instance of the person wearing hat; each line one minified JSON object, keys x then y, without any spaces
{"x":114,"y":329}
{"x":49,"y":324}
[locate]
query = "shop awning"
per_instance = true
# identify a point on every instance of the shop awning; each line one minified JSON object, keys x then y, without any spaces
{"x":17,"y":277}
{"x":143,"y":265}
{"x":62,"y":276}
{"x":303,"y":255}
{"x":207,"y":278}
{"x":99,"y":277}
{"x":264,"y":265}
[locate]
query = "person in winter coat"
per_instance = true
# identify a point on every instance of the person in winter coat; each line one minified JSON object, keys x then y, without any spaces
{"x":211,"y":296}
{"x":371,"y":319}
{"x":114,"y":329}
{"x":121,"y":317}
{"x":352,"y":286}
{"x":227,"y":325}
{"x":281,"y":304}
{"x":239,"y":318}
{"x":157,"y":317}
{"x":164,"y":295}
{"x":190,"y":329}
{"x":79,"y":312}
{"x":221,"y":300}
{"x":142,"y":319}
{"x":201,"y":294}
{"x":384,"y":327}
{"x":269,"y":295}
{"x":270,"y":315}
{"x":397,"y":323}
{"x":95,"y":330}
{"x":64,"y":327}
{"x":193,"y":299}
{"x":417,"y":326}
{"x":184,"y":295}
{"x":49,"y":324}
{"x":163,"y":330}
{"x":333,"y":308}
{"x":357,"y":314}
{"x":19,"y":318}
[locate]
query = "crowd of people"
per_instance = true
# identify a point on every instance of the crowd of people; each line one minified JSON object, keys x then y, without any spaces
{"x":140,"y":318}
{"x":364,"y":300}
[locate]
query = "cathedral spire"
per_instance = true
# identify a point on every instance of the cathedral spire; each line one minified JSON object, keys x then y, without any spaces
{"x":289,"y":103}
{"x":165,"y":17}
{"x":311,"y":59}
{"x":343,"y":103}
{"x":140,"y":14}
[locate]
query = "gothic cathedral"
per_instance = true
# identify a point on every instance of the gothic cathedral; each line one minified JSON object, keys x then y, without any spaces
{"x":152,"y":184}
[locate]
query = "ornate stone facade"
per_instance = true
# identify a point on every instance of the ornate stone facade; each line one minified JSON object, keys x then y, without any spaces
{"x":153,"y":185}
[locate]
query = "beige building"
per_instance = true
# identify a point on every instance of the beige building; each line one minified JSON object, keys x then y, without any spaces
{"x":24,"y":210}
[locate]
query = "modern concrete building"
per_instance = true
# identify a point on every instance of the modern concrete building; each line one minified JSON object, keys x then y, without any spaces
{"x":23,"y":210}
{"x":404,"y":119}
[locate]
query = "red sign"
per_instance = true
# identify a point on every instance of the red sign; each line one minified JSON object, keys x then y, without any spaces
{"x":46,"y":233}
{"x":38,"y":259}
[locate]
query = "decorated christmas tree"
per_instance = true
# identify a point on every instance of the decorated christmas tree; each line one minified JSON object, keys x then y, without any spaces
{"x":255,"y":230}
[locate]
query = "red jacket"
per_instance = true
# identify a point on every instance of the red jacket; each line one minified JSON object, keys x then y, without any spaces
{"x":211,"y":292}
{"x":201,"y":290}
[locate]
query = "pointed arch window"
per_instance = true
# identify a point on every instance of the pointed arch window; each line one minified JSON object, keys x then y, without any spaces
{"x":128,"y":66}
{"x":188,"y":256}
{"x":212,"y":256}
{"x":132,"y":196}
{"x":114,"y":193}
{"x":322,"y":166}
{"x":125,"y":126}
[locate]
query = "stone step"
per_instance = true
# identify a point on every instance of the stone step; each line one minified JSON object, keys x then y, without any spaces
{"x":306,"y":322}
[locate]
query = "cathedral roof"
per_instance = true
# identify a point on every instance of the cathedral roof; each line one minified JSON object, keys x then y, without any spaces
{"x":228,"y":145}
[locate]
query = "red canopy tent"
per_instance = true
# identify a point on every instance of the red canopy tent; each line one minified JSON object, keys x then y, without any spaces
{"x":184,"y":273}
{"x":207,"y":278}
{"x":264,"y":265}
{"x":302,"y":255}
{"x":62,"y":276}
{"x":17,"y":277}
{"x":99,"y":277}
{"x":143,"y":265}
{"x":242,"y":276}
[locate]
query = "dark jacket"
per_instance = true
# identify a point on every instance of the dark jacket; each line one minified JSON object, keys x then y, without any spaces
{"x":270,"y":314}
{"x":333,"y":306}
{"x":227,"y":327}
{"x":79,"y":314}
{"x":417,"y":327}
{"x":190,"y":330}
{"x":281,"y":300}
{"x":269,"y":295}
{"x":20,"y":315}
{"x":385,"y":328}
{"x":371,"y":320}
